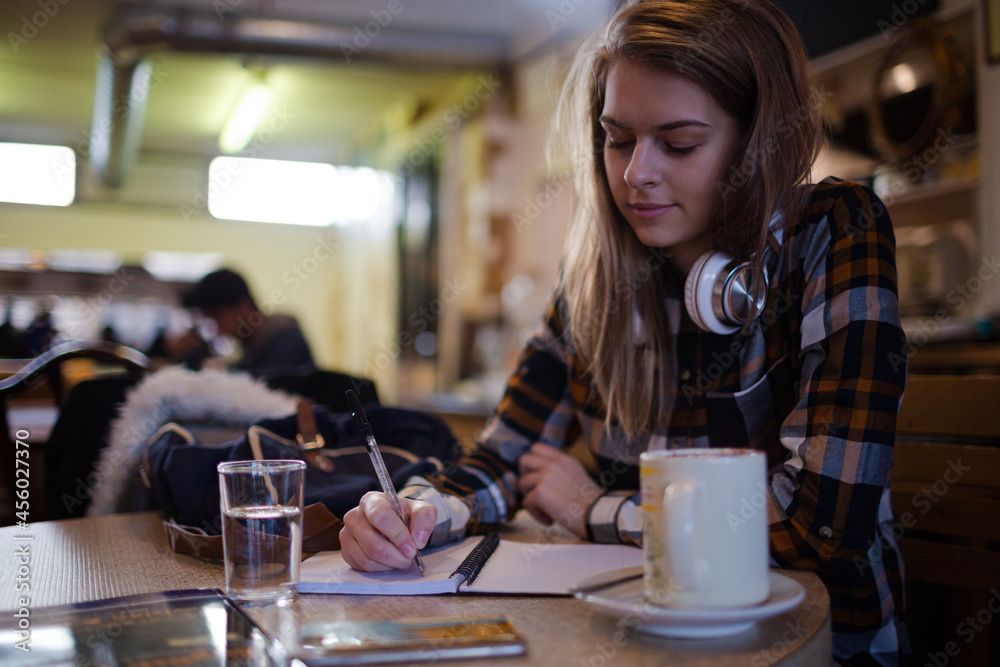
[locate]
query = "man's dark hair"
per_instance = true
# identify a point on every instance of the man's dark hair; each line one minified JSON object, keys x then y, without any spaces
{"x":218,"y":289}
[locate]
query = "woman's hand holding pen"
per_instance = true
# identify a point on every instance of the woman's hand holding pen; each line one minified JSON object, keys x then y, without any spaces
{"x":373,"y":538}
{"x":556,"y":487}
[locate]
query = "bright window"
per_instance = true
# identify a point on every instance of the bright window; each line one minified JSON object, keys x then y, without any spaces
{"x":295,"y":193}
{"x":189,"y":266}
{"x":37,"y":174}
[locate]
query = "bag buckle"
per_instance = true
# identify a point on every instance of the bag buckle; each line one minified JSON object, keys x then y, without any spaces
{"x":309,"y":439}
{"x":317,"y":442}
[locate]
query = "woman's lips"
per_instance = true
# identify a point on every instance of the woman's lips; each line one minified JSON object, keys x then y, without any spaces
{"x":650,"y":210}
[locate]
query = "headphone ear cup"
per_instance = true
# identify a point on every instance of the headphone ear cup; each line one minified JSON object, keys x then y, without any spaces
{"x":691,"y":290}
{"x":699,"y":288}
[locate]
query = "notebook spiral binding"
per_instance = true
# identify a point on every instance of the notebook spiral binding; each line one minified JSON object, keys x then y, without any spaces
{"x":474,"y":562}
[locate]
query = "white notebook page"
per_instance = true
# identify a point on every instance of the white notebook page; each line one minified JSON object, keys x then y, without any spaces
{"x":533,"y":568}
{"x":515,"y":567}
{"x":328,"y":572}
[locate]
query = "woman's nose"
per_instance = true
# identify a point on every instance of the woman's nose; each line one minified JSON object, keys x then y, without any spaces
{"x":642,"y":170}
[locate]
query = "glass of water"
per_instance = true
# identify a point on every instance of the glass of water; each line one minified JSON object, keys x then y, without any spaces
{"x":261,"y":503}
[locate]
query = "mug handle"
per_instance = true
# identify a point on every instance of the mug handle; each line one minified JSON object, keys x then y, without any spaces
{"x":688,"y":572}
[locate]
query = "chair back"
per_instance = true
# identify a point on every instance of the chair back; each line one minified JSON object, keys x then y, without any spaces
{"x":49,"y":363}
{"x":48,"y":367}
{"x":74,"y":446}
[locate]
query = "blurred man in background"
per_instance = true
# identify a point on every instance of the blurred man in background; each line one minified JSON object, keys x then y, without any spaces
{"x":269,"y":341}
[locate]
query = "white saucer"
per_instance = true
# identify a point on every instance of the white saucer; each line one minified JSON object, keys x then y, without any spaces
{"x":628,"y":601}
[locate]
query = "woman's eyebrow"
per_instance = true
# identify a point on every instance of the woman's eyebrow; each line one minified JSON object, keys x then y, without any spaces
{"x":673,"y":125}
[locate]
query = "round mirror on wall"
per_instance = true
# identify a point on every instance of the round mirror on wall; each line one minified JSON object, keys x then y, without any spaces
{"x":918,"y":89}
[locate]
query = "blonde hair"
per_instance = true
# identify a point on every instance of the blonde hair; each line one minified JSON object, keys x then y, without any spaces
{"x":748,"y":55}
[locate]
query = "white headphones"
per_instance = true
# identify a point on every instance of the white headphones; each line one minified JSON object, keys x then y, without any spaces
{"x":717,"y":293}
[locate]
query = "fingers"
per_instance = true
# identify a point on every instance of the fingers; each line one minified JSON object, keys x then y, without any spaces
{"x":529,"y":463}
{"x":383,"y":518}
{"x":375,"y":539}
{"x":540,"y":461}
{"x":423,"y":518}
{"x":531,"y":504}
{"x":355,"y":556}
{"x":365,"y":548}
{"x":555,"y":487}
{"x":540,"y":517}
{"x":546,"y":451}
{"x":538,"y":457}
{"x":541,"y":456}
{"x":527,"y":483}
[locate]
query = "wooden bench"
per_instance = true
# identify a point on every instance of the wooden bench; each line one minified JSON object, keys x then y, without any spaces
{"x":946,"y":497}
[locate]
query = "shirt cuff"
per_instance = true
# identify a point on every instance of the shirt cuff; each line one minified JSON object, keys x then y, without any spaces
{"x":614,"y":518}
{"x":602,"y":518}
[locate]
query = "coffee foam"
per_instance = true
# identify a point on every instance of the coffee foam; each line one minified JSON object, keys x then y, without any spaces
{"x":703,"y":452}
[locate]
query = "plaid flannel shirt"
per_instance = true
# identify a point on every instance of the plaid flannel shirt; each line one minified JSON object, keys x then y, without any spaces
{"x":816,"y":383}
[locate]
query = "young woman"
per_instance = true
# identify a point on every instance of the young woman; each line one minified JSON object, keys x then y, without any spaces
{"x":698,"y":127}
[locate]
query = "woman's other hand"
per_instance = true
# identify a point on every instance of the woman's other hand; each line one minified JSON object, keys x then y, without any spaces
{"x":373,"y":538}
{"x":556,"y":487}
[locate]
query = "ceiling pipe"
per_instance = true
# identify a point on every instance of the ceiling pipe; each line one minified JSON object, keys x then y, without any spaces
{"x":119,"y":110}
{"x":124,"y":74}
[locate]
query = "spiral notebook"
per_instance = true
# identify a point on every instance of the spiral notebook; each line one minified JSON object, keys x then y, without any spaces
{"x":474,"y":565}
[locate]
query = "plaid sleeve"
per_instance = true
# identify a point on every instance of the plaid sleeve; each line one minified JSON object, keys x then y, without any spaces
{"x":480,"y":491}
{"x":825,"y":500}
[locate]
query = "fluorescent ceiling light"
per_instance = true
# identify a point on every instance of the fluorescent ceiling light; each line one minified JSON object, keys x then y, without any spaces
{"x":358,"y":192}
{"x":297,"y":193}
{"x":37,"y":174}
{"x":245,"y":119}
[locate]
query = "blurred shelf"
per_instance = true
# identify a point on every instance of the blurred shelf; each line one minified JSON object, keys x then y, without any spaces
{"x":921,"y":330}
{"x":125,"y":283}
{"x":956,"y":357}
{"x":871,"y":47}
{"x":934,"y":203}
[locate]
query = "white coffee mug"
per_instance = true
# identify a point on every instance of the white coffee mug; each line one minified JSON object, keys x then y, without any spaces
{"x":702,"y":547}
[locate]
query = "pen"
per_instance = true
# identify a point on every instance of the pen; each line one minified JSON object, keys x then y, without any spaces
{"x":376,"y":456}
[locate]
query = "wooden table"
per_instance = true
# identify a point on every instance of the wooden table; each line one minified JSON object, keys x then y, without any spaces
{"x":87,"y":559}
